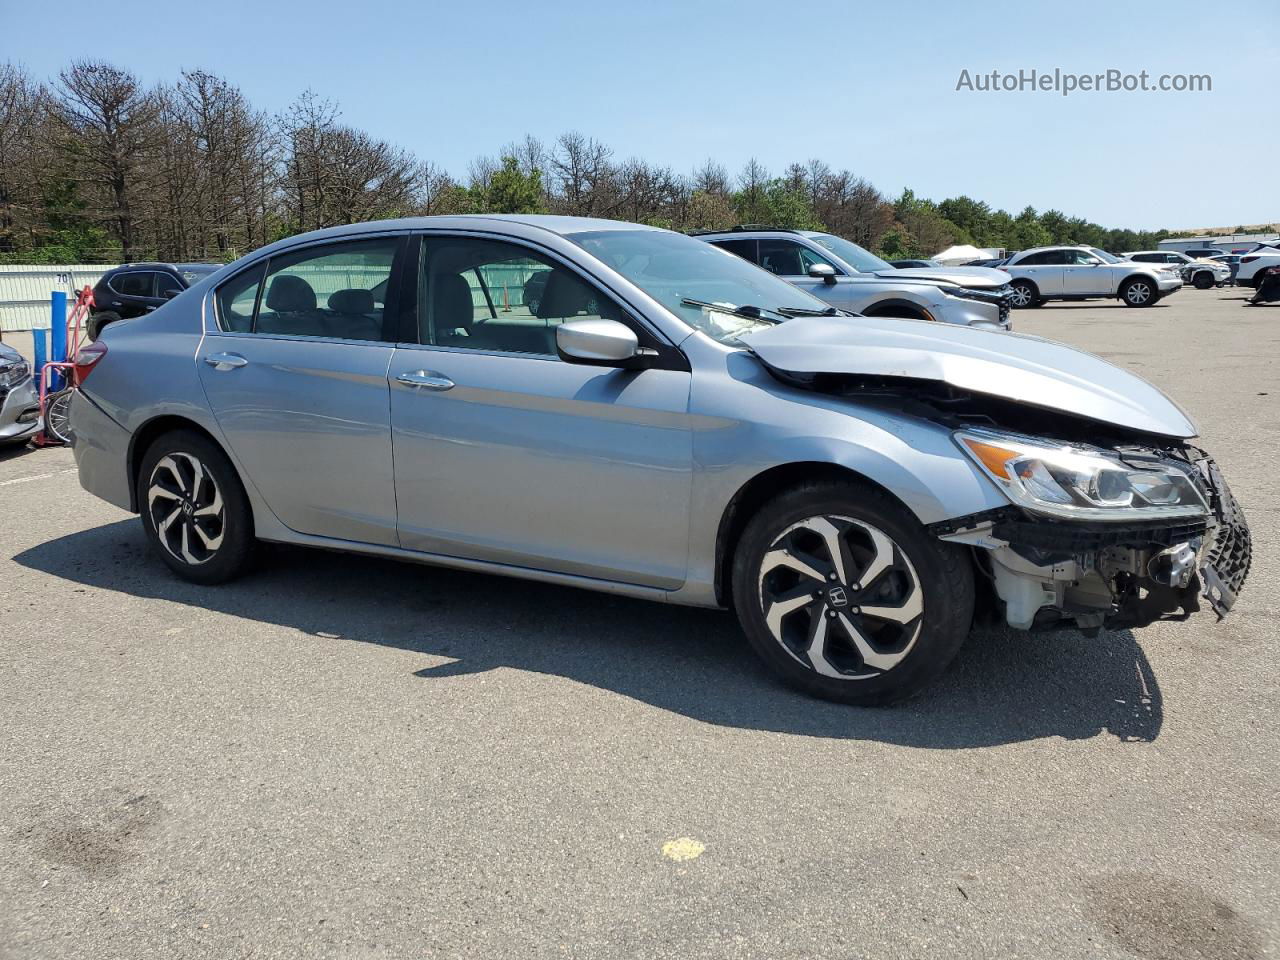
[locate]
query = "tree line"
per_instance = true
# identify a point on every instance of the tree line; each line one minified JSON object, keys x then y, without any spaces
{"x":96,"y":167}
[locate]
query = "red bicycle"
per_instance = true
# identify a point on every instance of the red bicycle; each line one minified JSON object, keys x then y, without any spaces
{"x":55,"y":405}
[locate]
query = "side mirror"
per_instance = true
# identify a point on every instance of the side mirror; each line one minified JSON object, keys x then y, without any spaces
{"x":601,"y":343}
{"x":823,"y":271}
{"x":170,"y":293}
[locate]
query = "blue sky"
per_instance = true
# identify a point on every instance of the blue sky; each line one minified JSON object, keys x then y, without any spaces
{"x":867,"y":86}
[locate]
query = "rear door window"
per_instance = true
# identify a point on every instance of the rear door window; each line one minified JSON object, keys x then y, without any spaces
{"x":134,"y":284}
{"x":337,"y":291}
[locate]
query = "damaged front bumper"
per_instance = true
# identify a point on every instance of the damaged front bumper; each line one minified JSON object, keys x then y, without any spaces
{"x":1048,"y":572}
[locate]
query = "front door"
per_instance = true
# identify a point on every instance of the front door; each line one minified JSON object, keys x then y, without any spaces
{"x":296,"y":376}
{"x":505,"y":453}
{"x":1086,"y":275}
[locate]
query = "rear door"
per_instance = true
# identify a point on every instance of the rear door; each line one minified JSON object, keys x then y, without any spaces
{"x":296,"y":374}
{"x":508,"y":454}
{"x":1045,"y":270}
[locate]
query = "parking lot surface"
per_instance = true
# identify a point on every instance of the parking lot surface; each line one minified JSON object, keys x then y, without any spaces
{"x":342,"y":757}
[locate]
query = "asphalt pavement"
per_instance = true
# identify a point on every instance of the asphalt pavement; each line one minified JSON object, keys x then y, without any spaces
{"x":343,"y":757}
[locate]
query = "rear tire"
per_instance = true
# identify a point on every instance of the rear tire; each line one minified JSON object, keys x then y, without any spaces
{"x":1024,"y":294}
{"x":93,"y":328}
{"x":194,"y":508}
{"x":872,"y":627}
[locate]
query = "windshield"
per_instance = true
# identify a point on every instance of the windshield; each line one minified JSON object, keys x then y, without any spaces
{"x":864,"y":261}
{"x":1103,"y":255}
{"x":673,"y":268}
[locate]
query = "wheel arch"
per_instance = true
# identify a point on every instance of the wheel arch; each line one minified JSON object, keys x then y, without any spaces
{"x":153,"y":430}
{"x":881,"y":308}
{"x":762,"y":488}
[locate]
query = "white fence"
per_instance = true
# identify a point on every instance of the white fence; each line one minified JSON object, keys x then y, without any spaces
{"x":24,"y":291}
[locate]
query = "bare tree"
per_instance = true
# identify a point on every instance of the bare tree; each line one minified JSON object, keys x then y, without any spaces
{"x":22,"y":104}
{"x":112,"y":123}
{"x":581,"y":172}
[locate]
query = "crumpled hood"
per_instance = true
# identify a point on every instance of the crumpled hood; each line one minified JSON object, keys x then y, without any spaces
{"x":1017,"y":367}
{"x":982,"y":278}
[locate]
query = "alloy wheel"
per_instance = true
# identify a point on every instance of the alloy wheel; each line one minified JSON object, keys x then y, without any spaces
{"x":1138,"y":292}
{"x":186,"y":508}
{"x":1020,"y":294}
{"x":841,"y":597}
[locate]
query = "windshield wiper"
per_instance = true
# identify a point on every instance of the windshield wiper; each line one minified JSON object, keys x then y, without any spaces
{"x":807,"y":312}
{"x":750,"y":311}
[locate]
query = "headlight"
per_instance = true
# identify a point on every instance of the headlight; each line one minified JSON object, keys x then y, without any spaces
{"x":1080,"y":483}
{"x":13,"y":374}
{"x":969,"y":293}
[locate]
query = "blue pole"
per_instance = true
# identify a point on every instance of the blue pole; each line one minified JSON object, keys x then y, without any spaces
{"x":37,"y":339}
{"x":58,"y":331}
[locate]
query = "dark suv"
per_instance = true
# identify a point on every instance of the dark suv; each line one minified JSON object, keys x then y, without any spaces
{"x":138,"y":288}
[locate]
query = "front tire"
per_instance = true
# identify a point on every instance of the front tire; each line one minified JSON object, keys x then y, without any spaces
{"x":1139,"y":292}
{"x":841,"y":593}
{"x":194,"y":509}
{"x":1203,"y":280}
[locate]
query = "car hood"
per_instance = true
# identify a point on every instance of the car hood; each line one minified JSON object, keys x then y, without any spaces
{"x":1012,"y":366}
{"x":8,"y":354}
{"x":982,"y":278}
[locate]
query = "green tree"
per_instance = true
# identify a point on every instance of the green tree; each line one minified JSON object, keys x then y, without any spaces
{"x":511,"y":190}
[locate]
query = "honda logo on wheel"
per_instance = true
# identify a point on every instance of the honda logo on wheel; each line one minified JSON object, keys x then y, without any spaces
{"x":837,"y":597}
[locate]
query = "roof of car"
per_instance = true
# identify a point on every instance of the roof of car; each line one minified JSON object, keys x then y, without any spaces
{"x":755,"y":228}
{"x":156,"y":265}
{"x":1055,"y":246}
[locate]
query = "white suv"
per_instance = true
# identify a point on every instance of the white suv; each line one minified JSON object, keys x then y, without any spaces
{"x":1084,"y":273}
{"x":1200,"y":273}
{"x":1253,"y":263}
{"x":847,"y":276}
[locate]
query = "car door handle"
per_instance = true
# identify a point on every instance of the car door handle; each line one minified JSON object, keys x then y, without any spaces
{"x":426,"y":378}
{"x":225,"y":361}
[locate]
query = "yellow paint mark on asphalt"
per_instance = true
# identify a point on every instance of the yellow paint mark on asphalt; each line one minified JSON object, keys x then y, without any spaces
{"x":682,"y":849}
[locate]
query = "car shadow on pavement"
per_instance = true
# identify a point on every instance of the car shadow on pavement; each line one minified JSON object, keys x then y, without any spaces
{"x":1003,"y":687}
{"x":12,"y":451}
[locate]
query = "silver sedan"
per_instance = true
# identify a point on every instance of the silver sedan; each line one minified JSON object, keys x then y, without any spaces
{"x":626,"y":409}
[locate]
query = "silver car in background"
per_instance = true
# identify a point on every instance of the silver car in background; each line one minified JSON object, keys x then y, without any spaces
{"x":626,"y":409}
{"x":1086,"y":273}
{"x":847,"y":276}
{"x":19,"y":399}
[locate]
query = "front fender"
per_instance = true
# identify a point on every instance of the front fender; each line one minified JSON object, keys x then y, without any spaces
{"x":746,"y":423}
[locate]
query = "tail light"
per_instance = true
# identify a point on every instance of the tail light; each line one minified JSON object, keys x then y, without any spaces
{"x":87,"y":358}
{"x":1248,"y":259}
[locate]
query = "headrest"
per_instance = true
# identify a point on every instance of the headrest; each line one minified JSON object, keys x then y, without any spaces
{"x":290,"y":294}
{"x":451,"y":302}
{"x":354,"y":300}
{"x":564,"y":296}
